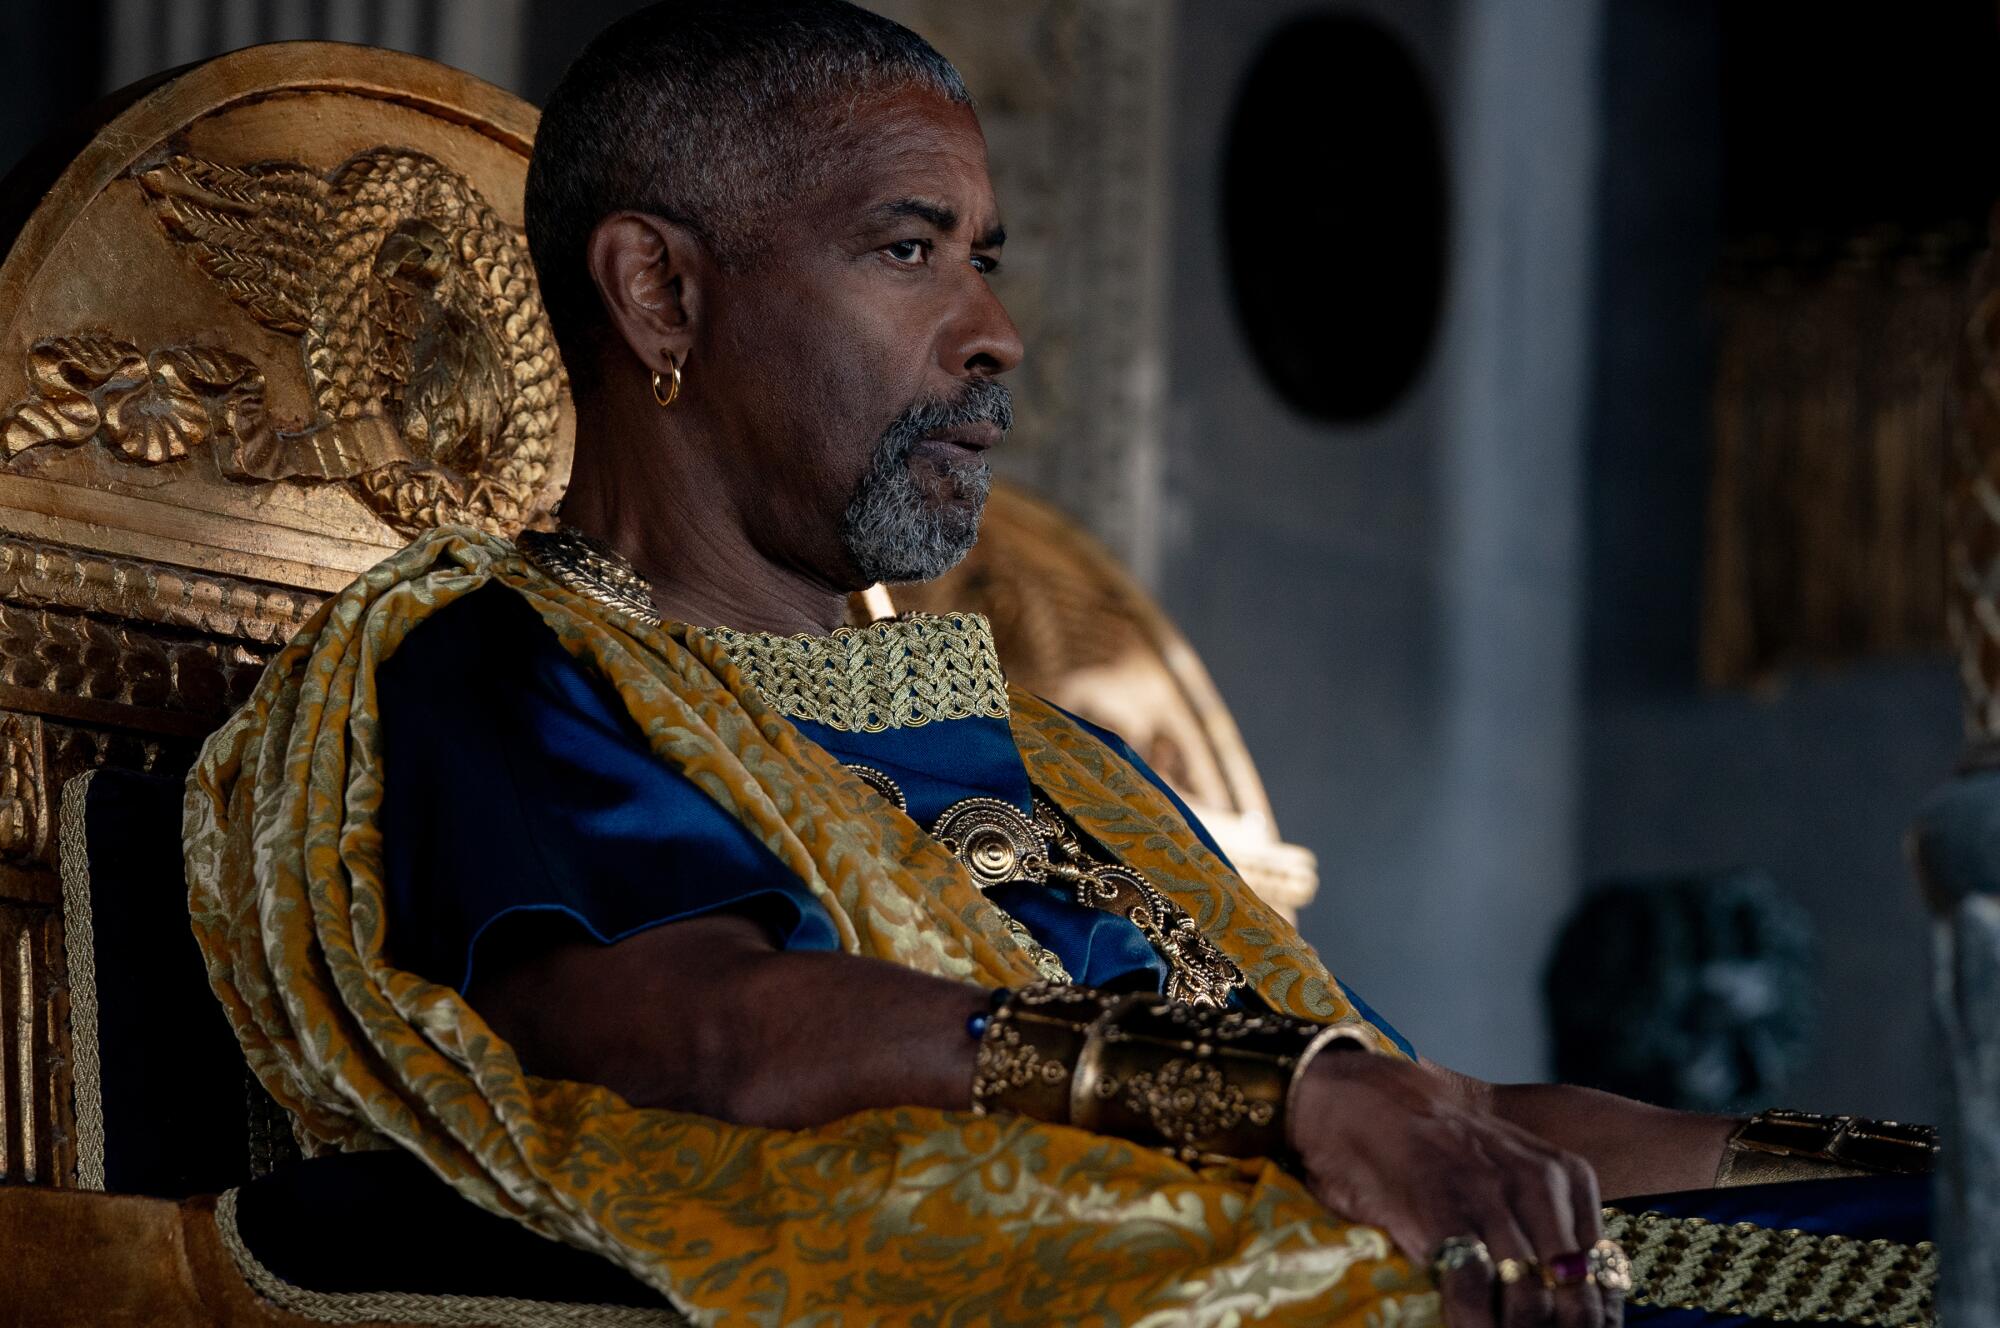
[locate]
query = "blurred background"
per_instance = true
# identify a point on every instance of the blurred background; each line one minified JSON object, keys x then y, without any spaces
{"x":1532,"y":411}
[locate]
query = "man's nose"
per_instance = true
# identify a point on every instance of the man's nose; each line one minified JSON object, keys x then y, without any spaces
{"x":985,"y":343}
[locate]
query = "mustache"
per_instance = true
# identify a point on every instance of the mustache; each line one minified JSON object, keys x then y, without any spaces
{"x":982,"y":401}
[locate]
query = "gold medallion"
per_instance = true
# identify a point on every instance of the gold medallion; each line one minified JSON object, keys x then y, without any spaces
{"x":997,"y":844}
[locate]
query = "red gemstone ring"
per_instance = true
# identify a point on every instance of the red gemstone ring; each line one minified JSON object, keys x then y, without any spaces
{"x":1568,"y":1270}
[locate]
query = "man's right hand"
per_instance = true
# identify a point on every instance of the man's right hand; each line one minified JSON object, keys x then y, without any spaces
{"x":1394,"y":1145}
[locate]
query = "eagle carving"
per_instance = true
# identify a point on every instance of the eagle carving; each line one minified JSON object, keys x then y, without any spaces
{"x":434,"y":376}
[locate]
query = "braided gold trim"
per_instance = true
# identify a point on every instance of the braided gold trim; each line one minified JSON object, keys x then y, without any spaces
{"x":1691,"y":1263}
{"x":80,"y":957}
{"x":900,"y":674}
{"x":415,"y":1307}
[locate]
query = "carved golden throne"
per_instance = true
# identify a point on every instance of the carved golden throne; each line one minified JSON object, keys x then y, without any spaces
{"x":262,"y":320}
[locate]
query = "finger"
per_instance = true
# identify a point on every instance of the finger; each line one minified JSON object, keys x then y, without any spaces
{"x":1523,"y":1301}
{"x":1467,"y":1293}
{"x":1588,"y":1201}
{"x":1579,"y":1304}
{"x":1543,"y":1188}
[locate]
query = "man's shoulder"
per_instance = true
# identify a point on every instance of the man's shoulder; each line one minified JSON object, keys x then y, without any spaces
{"x":488,"y":637}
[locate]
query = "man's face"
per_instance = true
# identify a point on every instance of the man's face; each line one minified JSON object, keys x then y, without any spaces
{"x":858,"y":359}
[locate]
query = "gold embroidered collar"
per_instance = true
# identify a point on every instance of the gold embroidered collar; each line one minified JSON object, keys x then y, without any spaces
{"x":900,"y":674}
{"x":888,"y":675}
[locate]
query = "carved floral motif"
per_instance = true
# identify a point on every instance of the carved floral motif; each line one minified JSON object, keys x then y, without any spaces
{"x":146,"y":408}
{"x":434,"y":376}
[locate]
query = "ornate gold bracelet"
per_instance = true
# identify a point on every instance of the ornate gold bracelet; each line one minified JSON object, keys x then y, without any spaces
{"x":1202,"y":1084}
{"x":1030,"y":1047}
{"x":1775,"y":1146}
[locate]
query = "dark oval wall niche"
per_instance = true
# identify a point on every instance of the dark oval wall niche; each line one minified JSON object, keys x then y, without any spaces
{"x":1334,"y":215}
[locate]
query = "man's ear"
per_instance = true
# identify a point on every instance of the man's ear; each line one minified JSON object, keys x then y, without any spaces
{"x":651,"y":274}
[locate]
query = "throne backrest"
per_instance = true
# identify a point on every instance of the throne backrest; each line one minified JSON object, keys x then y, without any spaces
{"x":261,"y":320}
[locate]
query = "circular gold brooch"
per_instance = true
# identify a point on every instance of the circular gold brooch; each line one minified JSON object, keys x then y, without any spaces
{"x":994,"y":840}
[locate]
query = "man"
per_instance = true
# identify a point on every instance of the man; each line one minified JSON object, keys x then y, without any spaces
{"x":596,"y":871}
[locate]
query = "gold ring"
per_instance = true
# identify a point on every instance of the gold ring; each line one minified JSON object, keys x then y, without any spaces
{"x":1459,"y":1252}
{"x":1510,"y":1271}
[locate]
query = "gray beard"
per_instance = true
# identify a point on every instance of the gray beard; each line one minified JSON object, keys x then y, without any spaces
{"x":893,"y":530}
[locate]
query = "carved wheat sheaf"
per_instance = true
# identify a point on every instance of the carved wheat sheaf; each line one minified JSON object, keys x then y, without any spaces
{"x":434,"y":376}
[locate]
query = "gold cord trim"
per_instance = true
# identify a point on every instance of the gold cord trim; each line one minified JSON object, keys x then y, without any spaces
{"x":1742,"y":1268}
{"x":890,"y":675}
{"x":415,"y":1307}
{"x":80,"y":956}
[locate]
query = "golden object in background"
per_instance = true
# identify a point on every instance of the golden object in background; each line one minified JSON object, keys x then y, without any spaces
{"x":1825,"y":533}
{"x":432,"y":367}
{"x":1074,"y":627}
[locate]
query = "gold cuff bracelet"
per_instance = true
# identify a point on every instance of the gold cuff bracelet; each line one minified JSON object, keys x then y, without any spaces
{"x":1775,"y":1146}
{"x":1202,"y":1084}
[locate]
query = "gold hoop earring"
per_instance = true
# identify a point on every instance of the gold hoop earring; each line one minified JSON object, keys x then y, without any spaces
{"x":673,"y":386}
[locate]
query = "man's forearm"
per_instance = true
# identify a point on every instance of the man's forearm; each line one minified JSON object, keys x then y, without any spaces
{"x":1633,"y":1147}
{"x":705,"y":1016}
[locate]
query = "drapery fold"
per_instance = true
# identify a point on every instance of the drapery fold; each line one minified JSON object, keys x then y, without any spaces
{"x":904,"y":1215}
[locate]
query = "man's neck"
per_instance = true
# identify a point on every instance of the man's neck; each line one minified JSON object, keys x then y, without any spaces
{"x":690,"y":545}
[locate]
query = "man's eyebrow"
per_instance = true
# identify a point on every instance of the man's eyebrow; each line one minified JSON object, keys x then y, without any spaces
{"x":942,"y":216}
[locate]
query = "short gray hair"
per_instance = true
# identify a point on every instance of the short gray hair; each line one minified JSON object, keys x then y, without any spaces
{"x":710,"y":113}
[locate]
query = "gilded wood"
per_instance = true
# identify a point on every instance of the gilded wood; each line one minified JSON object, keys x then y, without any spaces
{"x":277,"y":317}
{"x":56,"y":576}
{"x":274,"y":316}
{"x":35,"y":1142}
{"x":84,"y":668}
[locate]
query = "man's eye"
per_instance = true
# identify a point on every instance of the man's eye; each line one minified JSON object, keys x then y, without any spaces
{"x":985,"y":265}
{"x":909,"y":251}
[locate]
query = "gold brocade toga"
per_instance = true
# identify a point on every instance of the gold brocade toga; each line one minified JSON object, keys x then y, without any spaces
{"x":897,"y":1216}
